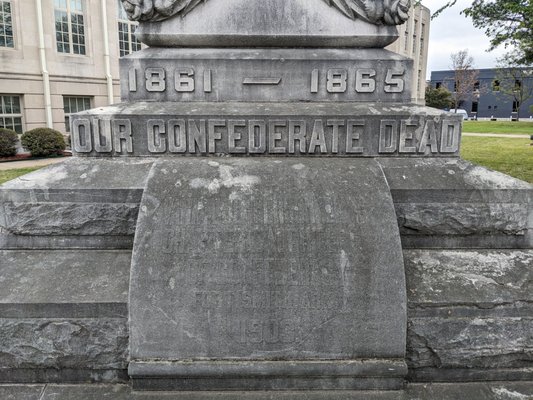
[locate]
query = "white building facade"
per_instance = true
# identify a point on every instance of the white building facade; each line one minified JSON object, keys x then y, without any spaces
{"x":59,"y":57}
{"x":414,"y":43}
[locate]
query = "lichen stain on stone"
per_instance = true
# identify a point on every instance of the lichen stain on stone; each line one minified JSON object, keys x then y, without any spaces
{"x":226,"y":179}
{"x":479,"y":176}
{"x":506,"y":394}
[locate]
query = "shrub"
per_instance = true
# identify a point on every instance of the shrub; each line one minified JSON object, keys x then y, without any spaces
{"x":43,"y":142}
{"x":8,"y":142}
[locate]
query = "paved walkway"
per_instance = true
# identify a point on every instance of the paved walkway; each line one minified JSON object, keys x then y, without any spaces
{"x":497,"y":135}
{"x":30,"y":163}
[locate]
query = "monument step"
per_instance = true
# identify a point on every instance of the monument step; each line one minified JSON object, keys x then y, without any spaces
{"x":432,"y":391}
{"x":439,"y":203}
{"x":63,"y":315}
{"x":77,"y":204}
{"x":62,"y":302}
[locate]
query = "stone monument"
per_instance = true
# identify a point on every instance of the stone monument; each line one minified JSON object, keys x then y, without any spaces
{"x":266,"y":211}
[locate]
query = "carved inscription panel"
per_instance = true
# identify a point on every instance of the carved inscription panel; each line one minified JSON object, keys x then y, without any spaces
{"x":270,"y":259}
{"x":355,"y":136}
{"x":270,"y":78}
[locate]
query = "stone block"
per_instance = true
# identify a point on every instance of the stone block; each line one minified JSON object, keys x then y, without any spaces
{"x":451,"y":203}
{"x":72,"y":284}
{"x":469,"y":314}
{"x":266,"y":75}
{"x":83,"y":219}
{"x":63,"y":316}
{"x":266,"y":129}
{"x":252,"y":23}
{"x":63,"y":343}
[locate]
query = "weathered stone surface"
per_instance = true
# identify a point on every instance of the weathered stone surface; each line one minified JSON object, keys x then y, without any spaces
{"x":480,"y":279}
{"x":72,"y":242}
{"x":266,"y":75}
{"x":265,"y":23}
{"x":62,"y":283}
{"x":469,"y":310}
{"x":63,"y":315}
{"x":63,"y":343}
{"x":444,"y":178}
{"x":81,"y":179}
{"x":462,"y":218}
{"x":22,"y":392}
{"x":63,"y":218}
{"x":429,"y":391}
{"x":227,"y":266}
{"x":78,"y":204}
{"x":339,"y":129}
{"x":467,"y":343}
{"x":451,"y":203}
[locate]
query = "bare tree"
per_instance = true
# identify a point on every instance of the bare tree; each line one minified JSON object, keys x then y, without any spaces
{"x":514,"y":80}
{"x":465,"y":79}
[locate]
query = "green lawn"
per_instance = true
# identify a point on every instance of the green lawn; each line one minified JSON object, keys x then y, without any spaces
{"x":509,"y":127}
{"x":9,"y":174}
{"x":510,"y":156}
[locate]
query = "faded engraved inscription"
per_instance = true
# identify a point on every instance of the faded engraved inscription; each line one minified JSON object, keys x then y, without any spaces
{"x":250,"y":293}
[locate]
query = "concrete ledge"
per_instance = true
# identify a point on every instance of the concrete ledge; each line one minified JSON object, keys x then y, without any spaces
{"x":23,"y":242}
{"x":67,"y":281}
{"x":454,"y":391}
{"x":281,"y":375}
{"x":227,"y":369}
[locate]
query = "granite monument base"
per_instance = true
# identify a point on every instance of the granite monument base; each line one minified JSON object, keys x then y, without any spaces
{"x":467,"y":249}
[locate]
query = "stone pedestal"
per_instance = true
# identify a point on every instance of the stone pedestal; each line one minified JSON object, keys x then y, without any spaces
{"x":275,"y":218}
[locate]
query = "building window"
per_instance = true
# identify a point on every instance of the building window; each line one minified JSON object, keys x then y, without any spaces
{"x":422,"y":41}
{"x":415,"y":36}
{"x":128,"y":43}
{"x":475,"y":106}
{"x":72,"y":105}
{"x":6,"y":25}
{"x":70,"y":29}
{"x":516,"y":106}
{"x":496,"y":86}
{"x":406,"y":44}
{"x":10,"y":113}
{"x":517,"y":85}
{"x":438,"y":85}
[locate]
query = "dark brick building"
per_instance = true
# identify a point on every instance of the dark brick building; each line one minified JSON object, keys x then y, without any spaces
{"x":488,"y":98}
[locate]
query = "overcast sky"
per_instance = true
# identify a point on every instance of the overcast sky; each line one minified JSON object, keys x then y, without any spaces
{"x":451,"y":32}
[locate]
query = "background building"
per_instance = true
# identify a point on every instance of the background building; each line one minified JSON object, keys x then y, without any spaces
{"x":59,"y":57}
{"x":413,"y":43}
{"x":491,"y":94}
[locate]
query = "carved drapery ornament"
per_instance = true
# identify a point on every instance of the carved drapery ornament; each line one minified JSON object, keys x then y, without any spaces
{"x":378,"y":12}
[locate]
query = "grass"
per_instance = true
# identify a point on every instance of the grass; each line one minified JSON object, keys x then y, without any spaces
{"x":501,"y":127}
{"x":510,"y":156}
{"x":7,"y":175}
